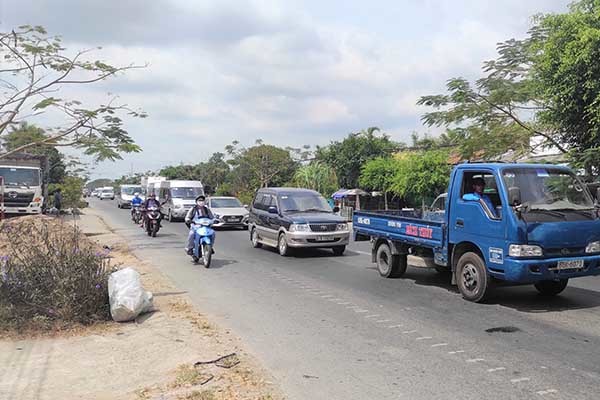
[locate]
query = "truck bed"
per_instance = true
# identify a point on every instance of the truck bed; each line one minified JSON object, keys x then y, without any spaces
{"x":399,"y":225}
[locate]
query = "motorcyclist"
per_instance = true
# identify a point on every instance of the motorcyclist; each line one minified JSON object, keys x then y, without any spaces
{"x":198,"y":211}
{"x":135,"y":202}
{"x":151,"y":202}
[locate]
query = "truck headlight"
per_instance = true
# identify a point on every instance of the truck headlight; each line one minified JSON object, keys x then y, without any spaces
{"x":341,"y":227}
{"x":524,"y":250}
{"x":593,"y":247}
{"x":299,"y":228}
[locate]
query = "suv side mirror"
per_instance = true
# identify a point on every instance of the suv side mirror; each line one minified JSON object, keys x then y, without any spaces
{"x":272,"y":210}
{"x":246,"y":206}
{"x":514,"y":196}
{"x":336,"y":209}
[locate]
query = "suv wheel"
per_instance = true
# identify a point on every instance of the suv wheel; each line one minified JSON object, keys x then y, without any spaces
{"x":254,"y":239}
{"x":282,"y":246}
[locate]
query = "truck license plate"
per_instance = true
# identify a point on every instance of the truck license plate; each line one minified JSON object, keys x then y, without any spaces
{"x":570,"y":264}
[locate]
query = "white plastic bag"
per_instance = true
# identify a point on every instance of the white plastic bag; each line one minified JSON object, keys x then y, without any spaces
{"x":126,"y":296}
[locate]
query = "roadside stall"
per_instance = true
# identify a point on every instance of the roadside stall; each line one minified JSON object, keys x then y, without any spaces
{"x":349,"y":200}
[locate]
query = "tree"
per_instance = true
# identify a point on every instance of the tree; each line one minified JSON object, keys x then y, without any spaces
{"x":261,"y":165}
{"x":379,"y":174}
{"x":35,"y":70}
{"x":25,"y":133}
{"x":346,"y":157}
{"x":316,"y":176}
{"x":421,"y":175}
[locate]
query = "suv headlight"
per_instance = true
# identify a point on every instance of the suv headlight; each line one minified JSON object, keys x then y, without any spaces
{"x":299,"y":228}
{"x":593,"y":247}
{"x":524,"y":250}
{"x":341,"y":227}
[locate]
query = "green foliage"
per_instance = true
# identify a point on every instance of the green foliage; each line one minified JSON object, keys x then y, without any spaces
{"x":540,"y":92}
{"x":316,"y":176}
{"x":71,"y":190}
{"x":421,"y":175}
{"x":26,"y":133}
{"x":379,"y":174}
{"x":36,"y":66}
{"x":346,"y":157}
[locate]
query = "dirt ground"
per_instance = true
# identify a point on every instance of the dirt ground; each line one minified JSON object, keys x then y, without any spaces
{"x":151,"y":358}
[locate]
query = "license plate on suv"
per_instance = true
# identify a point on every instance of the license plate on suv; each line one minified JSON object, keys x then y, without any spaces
{"x":323,"y":239}
{"x":570,"y":264}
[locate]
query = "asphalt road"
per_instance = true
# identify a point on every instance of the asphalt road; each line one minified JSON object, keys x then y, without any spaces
{"x":331,"y":328}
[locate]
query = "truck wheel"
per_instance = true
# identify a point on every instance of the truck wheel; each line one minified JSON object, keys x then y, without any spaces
{"x":551,"y":288}
{"x":389,"y":265}
{"x":254,"y":239}
{"x":472,"y":277}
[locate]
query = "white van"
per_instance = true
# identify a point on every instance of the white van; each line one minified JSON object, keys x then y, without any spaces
{"x":125,"y":195}
{"x":178,"y":197}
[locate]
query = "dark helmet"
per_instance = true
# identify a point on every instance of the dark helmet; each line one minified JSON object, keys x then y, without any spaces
{"x":201,"y":197}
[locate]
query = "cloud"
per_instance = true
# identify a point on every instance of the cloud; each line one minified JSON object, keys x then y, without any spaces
{"x":291,"y":73}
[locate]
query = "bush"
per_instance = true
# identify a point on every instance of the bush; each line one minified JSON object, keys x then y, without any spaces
{"x":50,"y":274}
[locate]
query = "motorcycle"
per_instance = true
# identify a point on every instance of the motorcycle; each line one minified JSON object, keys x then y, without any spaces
{"x":203,"y":241}
{"x":152,"y":224}
{"x":136,"y":214}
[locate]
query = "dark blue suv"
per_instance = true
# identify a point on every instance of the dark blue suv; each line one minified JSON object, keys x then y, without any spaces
{"x":288,"y":218}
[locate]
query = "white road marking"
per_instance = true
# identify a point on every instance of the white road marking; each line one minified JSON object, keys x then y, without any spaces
{"x":383,"y":320}
{"x":394,"y":326}
{"x":413,"y":331}
{"x":360,"y":311}
{"x":373,"y":316}
{"x":325,"y":296}
{"x":517,"y":380}
{"x":424,"y":338}
{"x":343,"y":303}
{"x":545,"y":392}
{"x":439,"y":345}
{"x":474,"y":360}
{"x":456,"y":352}
{"x":496,"y":369}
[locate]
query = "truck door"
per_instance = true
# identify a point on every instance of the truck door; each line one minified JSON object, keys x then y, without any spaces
{"x":478,"y":222}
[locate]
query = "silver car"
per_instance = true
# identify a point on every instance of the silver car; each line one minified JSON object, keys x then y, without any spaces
{"x":228,"y":212}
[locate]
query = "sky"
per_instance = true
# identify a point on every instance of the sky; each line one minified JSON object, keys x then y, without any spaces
{"x":291,"y":73}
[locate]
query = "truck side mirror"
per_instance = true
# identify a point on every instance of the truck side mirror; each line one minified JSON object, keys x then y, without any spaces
{"x":470,"y":197}
{"x":514,"y":196}
{"x":336,"y":209}
{"x":272,"y":210}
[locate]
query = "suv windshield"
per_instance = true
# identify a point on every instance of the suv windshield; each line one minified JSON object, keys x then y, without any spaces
{"x":225,"y":203}
{"x":131,"y":190}
{"x":186,"y":192}
{"x":304,"y":202}
{"x":20,"y":176}
{"x":548,"y":189}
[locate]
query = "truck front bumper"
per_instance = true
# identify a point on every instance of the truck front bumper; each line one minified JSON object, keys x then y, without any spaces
{"x":22,"y":210}
{"x":313,"y":239}
{"x":535,"y":270}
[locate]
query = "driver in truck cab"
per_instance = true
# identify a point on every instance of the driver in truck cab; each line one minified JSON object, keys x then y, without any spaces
{"x":478,"y":187}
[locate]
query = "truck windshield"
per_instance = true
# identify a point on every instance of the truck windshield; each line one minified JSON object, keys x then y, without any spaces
{"x":549,"y":189}
{"x":20,"y":176}
{"x":304,"y":203}
{"x":225,"y":203}
{"x":186,"y":192}
{"x":131,"y":190}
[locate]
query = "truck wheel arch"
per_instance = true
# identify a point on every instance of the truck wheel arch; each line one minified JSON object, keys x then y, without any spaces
{"x":396,"y":248}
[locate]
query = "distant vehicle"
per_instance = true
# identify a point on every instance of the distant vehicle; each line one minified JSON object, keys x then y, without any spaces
{"x":125,"y":195}
{"x":107,"y":193}
{"x":288,"y":218}
{"x":150,"y":184}
{"x":23,"y":183}
{"x":532,"y":224}
{"x":178,"y":197}
{"x":228,"y":212}
{"x":86,"y":192}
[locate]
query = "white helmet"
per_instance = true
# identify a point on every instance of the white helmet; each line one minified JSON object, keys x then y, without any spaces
{"x":136,"y":194}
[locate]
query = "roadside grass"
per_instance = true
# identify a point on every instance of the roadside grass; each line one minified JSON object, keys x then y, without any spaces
{"x":188,"y":375}
{"x":199,"y":395}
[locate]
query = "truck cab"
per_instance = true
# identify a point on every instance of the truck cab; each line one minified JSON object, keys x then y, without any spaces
{"x":23,"y":188}
{"x":517,"y":223}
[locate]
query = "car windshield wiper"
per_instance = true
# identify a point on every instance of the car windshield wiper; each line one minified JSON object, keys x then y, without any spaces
{"x":292,"y":210}
{"x":580,"y":211}
{"x":316,"y":210}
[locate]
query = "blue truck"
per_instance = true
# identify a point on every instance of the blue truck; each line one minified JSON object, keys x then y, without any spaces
{"x":511,"y":223}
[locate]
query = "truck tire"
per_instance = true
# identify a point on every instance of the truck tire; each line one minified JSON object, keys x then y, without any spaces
{"x":389,"y":265}
{"x":472,"y":278}
{"x":551,"y":288}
